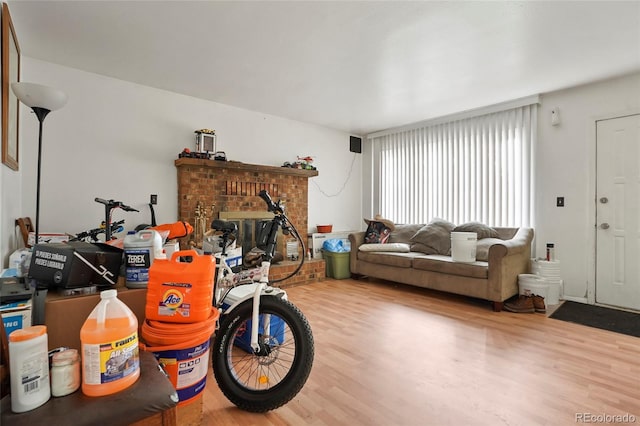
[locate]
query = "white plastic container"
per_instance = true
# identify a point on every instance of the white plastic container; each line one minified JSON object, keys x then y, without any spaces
{"x":140,"y":249}
{"x":65,"y":372}
{"x":16,"y":260}
{"x":554,"y":292}
{"x":530,"y":284}
{"x":463,"y":246}
{"x":29,"y":368}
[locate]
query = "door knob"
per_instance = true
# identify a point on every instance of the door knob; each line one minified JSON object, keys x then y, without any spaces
{"x":604,"y":226}
{"x":604,"y":200}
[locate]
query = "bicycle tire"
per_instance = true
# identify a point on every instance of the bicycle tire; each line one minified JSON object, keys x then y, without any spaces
{"x":265,"y":381}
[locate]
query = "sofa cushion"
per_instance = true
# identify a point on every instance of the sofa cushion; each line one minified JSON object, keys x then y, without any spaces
{"x":446,"y":265}
{"x":394,"y":247}
{"x":403,"y":233}
{"x":400,"y":260}
{"x":481,"y":229}
{"x":482,"y":248}
{"x":433,"y":238}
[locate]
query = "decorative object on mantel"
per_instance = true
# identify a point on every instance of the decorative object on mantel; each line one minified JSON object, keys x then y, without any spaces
{"x":207,"y":143}
{"x":206,"y":140}
{"x":187,"y":153}
{"x":303,"y":163}
{"x":200,"y":225}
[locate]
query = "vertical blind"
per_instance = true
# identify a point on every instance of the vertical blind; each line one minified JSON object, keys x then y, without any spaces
{"x":473,"y":169}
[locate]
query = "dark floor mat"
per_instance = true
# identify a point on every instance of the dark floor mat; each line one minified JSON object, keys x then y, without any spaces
{"x":599,"y":317}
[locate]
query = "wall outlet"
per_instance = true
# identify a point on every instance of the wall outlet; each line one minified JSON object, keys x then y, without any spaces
{"x":555,"y":116}
{"x":560,"y":202}
{"x":154,"y":199}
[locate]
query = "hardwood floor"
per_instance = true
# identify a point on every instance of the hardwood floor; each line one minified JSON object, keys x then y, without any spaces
{"x":390,"y":354}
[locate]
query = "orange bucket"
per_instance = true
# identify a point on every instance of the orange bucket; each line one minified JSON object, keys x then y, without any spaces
{"x":183,"y":352}
{"x":179,"y":291}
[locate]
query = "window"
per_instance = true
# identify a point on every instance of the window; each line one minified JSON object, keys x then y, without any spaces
{"x":469,"y":169}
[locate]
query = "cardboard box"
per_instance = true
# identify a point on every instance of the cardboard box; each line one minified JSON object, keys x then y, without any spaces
{"x":316,"y":240}
{"x":16,"y":315}
{"x":171,"y":247}
{"x":47,"y":237}
{"x":64,"y":316}
{"x":76,"y":264}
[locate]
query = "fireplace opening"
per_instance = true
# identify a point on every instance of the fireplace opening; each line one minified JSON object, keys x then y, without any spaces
{"x":249,"y":226}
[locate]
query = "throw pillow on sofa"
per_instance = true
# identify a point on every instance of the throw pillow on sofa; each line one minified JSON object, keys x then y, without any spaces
{"x":403,"y":233}
{"x":388,"y":247}
{"x":481,"y":229}
{"x":378,"y":230}
{"x":433,"y":238}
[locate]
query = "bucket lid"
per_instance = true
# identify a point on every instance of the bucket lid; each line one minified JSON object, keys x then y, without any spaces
{"x":464,"y":235}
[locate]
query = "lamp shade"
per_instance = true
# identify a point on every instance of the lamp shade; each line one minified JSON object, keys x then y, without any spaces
{"x":38,"y":96}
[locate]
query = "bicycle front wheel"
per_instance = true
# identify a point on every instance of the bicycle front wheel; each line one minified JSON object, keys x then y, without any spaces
{"x":269,"y":378}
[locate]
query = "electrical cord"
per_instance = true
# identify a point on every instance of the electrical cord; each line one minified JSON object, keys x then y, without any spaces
{"x":344,"y":185}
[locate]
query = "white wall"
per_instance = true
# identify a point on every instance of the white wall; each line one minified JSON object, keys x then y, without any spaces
{"x":116,"y":139}
{"x":566,"y":167}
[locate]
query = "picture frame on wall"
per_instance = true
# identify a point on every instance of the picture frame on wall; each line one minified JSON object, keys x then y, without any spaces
{"x":10,"y":103}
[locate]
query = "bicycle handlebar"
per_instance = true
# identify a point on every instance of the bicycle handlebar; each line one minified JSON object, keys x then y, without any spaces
{"x":267,"y":199}
{"x":115,"y":204}
{"x":271,"y":206}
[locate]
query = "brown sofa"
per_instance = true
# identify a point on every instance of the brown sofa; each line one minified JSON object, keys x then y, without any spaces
{"x":494,"y":279}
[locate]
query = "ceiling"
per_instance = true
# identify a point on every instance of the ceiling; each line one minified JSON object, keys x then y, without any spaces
{"x":355,"y":66}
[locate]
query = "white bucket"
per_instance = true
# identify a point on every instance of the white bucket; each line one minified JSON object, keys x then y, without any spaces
{"x":463,"y":246}
{"x":139,"y":251}
{"x":554,"y":293}
{"x":529,"y":284}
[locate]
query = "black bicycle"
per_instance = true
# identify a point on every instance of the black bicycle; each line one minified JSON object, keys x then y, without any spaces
{"x":107,"y":227}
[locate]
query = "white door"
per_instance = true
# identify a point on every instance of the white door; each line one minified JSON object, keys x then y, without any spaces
{"x":618,"y":212}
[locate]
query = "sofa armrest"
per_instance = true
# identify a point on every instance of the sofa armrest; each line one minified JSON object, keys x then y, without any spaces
{"x":507,"y":260}
{"x":356,"y":239}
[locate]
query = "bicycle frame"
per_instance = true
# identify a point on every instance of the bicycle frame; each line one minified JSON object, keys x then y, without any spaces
{"x":232,"y":288}
{"x":228,"y":298}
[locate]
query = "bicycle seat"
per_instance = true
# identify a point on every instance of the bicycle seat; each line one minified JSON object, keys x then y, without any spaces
{"x":224,"y":226}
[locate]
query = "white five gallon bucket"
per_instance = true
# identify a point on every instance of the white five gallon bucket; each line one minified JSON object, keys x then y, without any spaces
{"x":463,"y":246}
{"x":529,"y":284}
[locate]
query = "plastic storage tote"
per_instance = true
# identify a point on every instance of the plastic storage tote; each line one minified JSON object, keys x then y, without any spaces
{"x":336,"y":264}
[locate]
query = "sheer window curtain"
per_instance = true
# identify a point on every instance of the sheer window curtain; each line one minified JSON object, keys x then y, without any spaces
{"x":471,"y":169}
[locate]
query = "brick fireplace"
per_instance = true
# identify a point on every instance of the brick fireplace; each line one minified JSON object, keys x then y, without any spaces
{"x":231,"y":186}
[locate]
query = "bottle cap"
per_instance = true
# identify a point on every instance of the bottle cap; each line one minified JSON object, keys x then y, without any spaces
{"x":108,"y":294}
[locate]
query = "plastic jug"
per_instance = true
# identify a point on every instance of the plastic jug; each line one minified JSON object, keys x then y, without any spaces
{"x":110,"y":357}
{"x":180,"y":291}
{"x":29,"y":368}
{"x":140,"y":249}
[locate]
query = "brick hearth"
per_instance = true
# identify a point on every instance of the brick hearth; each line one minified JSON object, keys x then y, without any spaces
{"x":233,"y":186}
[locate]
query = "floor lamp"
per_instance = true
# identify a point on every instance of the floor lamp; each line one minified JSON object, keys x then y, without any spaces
{"x":42,"y":100}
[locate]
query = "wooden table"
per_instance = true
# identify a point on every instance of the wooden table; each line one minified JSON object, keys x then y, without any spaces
{"x":152,"y":400}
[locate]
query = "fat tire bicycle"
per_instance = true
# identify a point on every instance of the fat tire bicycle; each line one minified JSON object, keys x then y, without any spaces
{"x":263,"y":349}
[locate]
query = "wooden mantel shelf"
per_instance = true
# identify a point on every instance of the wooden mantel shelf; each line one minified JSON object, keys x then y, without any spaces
{"x":237,"y":165}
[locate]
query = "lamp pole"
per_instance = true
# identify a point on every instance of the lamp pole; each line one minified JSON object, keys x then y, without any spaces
{"x":41,"y":113}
